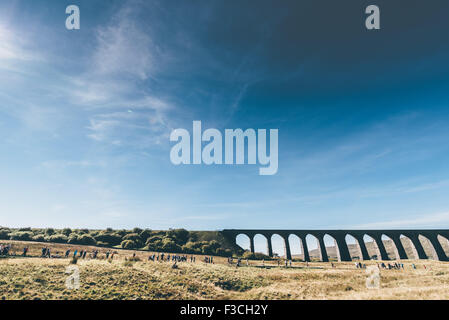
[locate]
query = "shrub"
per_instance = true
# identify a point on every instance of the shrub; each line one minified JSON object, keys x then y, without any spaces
{"x":38,"y":237}
{"x":223,"y":252}
{"x":134,"y":237}
{"x":189,"y":248}
{"x":50,"y":231}
{"x":180,"y":236}
{"x":145,"y":234}
{"x":153,"y":239}
{"x":4,"y":234}
{"x":256,"y":256}
{"x":155,"y":245}
{"x":83,"y":231}
{"x":73,"y":238}
{"x":111,"y":239}
{"x":170,"y":246}
{"x":137,"y":230}
{"x":66,"y":231}
{"x":58,"y":238}
{"x":122,"y":232}
{"x":128,"y":244}
{"x":207,"y":249}
{"x":21,"y":235}
{"x":193,"y":237}
{"x":87,"y":240}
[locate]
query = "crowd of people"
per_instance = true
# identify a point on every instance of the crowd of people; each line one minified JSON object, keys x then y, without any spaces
{"x":389,"y":266}
{"x":46,"y":252}
{"x":167,"y":258}
{"x":238,"y":263}
{"x":5,"y":250}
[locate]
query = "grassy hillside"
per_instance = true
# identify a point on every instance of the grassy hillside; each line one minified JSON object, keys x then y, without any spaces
{"x":37,"y":278}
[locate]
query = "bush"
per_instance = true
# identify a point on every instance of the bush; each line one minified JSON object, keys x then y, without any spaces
{"x":66,"y":231}
{"x":83,"y":231}
{"x":145,"y":234}
{"x":153,"y":239}
{"x":73,"y":238}
{"x":190,"y":247}
{"x":255,"y":256}
{"x":170,"y":246}
{"x":122,"y":232}
{"x":21,"y":235}
{"x":111,"y":239}
{"x":155,"y":245}
{"x":87,"y":240}
{"x":137,"y":230}
{"x":207,"y":249}
{"x":223,"y":252}
{"x":180,"y":236}
{"x":50,"y":231}
{"x":58,"y":238}
{"x":38,"y":237}
{"x":135,"y":238}
{"x":128,"y":244}
{"x":4,"y":234}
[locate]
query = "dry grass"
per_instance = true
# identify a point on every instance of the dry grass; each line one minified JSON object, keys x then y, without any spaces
{"x":35,"y":278}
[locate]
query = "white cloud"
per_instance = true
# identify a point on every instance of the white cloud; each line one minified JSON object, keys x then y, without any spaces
{"x":62,"y":164}
{"x":114,"y":89}
{"x":123,"y":48}
{"x":425,"y":221}
{"x":12,"y":45}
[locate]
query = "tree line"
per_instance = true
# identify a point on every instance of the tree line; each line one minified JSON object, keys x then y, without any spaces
{"x":173,"y":240}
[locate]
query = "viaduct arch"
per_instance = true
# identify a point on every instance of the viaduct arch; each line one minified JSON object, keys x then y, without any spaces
{"x":341,"y":247}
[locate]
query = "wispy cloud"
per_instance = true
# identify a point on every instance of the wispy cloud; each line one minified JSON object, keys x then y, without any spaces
{"x":124,"y":48}
{"x":115,"y":89}
{"x":63,"y":164}
{"x":13,"y":46}
{"x":424,"y":221}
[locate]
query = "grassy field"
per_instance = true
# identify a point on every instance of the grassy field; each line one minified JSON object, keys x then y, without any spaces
{"x":43,"y":278}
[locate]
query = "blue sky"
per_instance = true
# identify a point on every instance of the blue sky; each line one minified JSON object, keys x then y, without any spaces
{"x":85,"y":116}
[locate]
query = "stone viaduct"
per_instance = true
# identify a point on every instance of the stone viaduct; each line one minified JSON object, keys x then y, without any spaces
{"x":339,"y":236}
